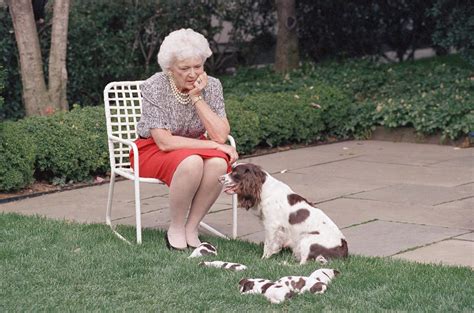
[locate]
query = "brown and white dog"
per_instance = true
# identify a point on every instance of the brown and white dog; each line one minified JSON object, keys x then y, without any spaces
{"x":289,"y":219}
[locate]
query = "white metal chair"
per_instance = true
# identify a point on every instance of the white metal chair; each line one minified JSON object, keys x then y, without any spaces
{"x":123,"y":104}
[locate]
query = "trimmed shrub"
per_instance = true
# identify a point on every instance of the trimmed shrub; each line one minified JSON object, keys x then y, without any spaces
{"x":245,"y":126}
{"x":283,"y":117}
{"x":17,"y":157}
{"x":70,"y":146}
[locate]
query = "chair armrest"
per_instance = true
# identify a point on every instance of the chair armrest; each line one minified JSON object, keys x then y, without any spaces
{"x":231,"y":140}
{"x":134,"y":148}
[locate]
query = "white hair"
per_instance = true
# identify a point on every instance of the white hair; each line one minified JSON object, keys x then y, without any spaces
{"x":182,"y":44}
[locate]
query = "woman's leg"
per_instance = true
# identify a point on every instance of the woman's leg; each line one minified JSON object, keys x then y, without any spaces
{"x":185,"y":182}
{"x":206,"y":195}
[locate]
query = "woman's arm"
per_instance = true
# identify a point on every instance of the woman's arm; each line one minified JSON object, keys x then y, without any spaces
{"x":217,"y":127}
{"x":168,"y":142}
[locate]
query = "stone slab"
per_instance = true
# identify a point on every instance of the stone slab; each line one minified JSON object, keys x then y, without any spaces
{"x":153,"y":219}
{"x":346,"y":212}
{"x":466,"y":162}
{"x":466,"y":204}
{"x":89,"y":204}
{"x":385,"y":151}
{"x":469,"y":188}
{"x":391,"y":173}
{"x":417,"y":157}
{"x":325,"y":187}
{"x":448,"y":252}
{"x":257,"y":237}
{"x":414,"y":194}
{"x":469,"y":237}
{"x":296,"y":159}
{"x":246,"y":222}
{"x":382,"y":238}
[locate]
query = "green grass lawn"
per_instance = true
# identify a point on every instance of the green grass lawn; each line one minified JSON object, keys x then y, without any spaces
{"x":49,"y":265}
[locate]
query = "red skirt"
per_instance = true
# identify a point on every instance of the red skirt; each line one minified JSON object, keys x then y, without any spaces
{"x":155,"y":163}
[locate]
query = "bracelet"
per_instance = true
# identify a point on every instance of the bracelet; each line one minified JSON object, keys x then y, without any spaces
{"x":198,"y":98}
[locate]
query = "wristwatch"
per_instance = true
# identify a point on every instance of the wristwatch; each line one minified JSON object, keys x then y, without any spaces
{"x":196,"y":99}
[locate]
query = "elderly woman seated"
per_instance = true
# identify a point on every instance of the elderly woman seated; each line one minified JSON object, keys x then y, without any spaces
{"x":179,"y":105}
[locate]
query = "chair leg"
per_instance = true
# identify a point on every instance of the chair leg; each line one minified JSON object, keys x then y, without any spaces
{"x":138,"y":214}
{"x":213,"y":230}
{"x":108,"y":219}
{"x":234,"y":216}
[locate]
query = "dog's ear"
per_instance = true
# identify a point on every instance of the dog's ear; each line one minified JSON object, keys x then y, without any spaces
{"x":250,"y":187}
{"x":246,"y":201}
{"x":336,"y":272}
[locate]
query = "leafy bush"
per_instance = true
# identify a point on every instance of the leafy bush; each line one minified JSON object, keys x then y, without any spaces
{"x":245,"y":126}
{"x":17,"y":157}
{"x":2,"y":85}
{"x":283,"y":117}
{"x":358,"y":28}
{"x":454,"y":26}
{"x":71,"y":146}
{"x":13,"y":106}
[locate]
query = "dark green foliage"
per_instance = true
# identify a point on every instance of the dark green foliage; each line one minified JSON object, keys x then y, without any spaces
{"x":112,"y":40}
{"x":17,"y":157}
{"x":454,"y":26}
{"x":2,"y":85}
{"x":59,"y":149}
{"x":431,"y":95}
{"x":13,"y":106}
{"x":245,"y":126}
{"x":283,"y":118}
{"x":358,"y":28}
{"x":71,"y":146}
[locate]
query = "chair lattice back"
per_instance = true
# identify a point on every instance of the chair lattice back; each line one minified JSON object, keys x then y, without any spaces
{"x":123,"y":107}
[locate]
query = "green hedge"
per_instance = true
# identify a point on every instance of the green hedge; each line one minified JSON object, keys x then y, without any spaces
{"x":63,"y":148}
{"x":17,"y":157}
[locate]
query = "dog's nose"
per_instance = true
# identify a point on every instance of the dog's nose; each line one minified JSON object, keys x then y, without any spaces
{"x":221,"y":179}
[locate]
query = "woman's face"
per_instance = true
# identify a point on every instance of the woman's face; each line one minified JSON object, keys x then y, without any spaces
{"x":185,"y":72}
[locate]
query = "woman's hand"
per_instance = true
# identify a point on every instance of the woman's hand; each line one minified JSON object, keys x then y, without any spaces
{"x":199,"y":85}
{"x":230,"y":151}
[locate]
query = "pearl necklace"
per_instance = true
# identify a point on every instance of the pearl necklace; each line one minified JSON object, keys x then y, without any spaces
{"x":182,"y":98}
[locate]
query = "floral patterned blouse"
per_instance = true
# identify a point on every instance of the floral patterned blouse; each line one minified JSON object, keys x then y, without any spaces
{"x":160,"y":109}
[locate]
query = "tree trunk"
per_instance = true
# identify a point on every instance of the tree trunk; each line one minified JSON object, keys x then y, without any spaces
{"x":57,"y":56}
{"x":287,"y":54}
{"x":35,"y":95}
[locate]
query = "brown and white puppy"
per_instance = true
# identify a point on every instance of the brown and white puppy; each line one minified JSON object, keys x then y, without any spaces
{"x":274,"y":292}
{"x":277,"y":293}
{"x":324,"y":275}
{"x":288,"y":218}
{"x":225,"y":265}
{"x":252,"y":285}
{"x":205,"y":248}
